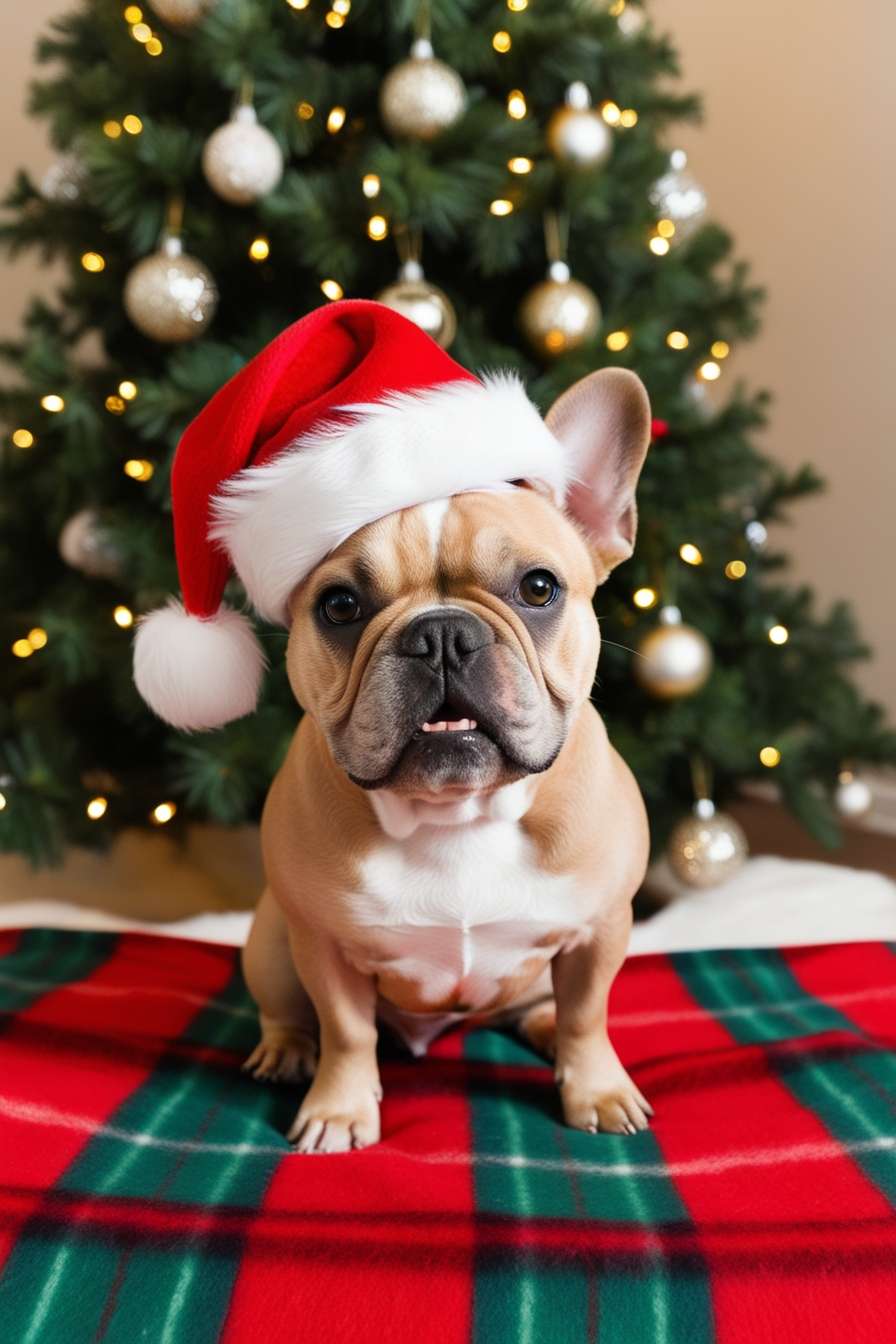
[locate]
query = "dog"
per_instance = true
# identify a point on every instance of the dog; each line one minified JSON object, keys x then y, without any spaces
{"x":451,"y":836}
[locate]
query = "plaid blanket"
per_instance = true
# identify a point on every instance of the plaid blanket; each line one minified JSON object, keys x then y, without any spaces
{"x":147,"y":1193}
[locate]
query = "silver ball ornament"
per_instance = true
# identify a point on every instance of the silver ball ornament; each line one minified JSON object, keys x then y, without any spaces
{"x":182,"y":13}
{"x":559,"y":314}
{"x":65,"y":179}
{"x":83,"y":546}
{"x":756,"y":534}
{"x":421,"y":96}
{"x":707,"y":847}
{"x":170,"y":296}
{"x":241,"y":160}
{"x":676,"y":659}
{"x":424,"y":304}
{"x":631,"y":21}
{"x":678,"y":196}
{"x":577,"y":134}
{"x":852,"y":796}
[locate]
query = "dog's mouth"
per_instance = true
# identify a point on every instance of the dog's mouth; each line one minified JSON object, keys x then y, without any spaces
{"x":450,"y":717}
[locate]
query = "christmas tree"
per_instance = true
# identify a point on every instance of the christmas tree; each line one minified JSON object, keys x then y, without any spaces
{"x":504,"y":173}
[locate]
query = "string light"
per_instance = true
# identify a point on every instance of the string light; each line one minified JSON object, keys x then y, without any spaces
{"x":516,"y":104}
{"x":709,"y":371}
{"x":628,"y":118}
{"x":520,"y":164}
{"x":779,"y":634}
{"x":2,"y":801}
{"x":770,"y":756}
{"x":665,"y":228}
{"x":332,"y":289}
{"x":333,"y":19}
{"x":37,"y":637}
{"x":501,"y":207}
{"x":370,"y":185}
{"x":644,"y":598}
{"x":138,"y":469}
{"x":53,"y":403}
{"x":341,"y":7}
{"x":123,"y":617}
{"x":735,"y":569}
{"x":659,"y":246}
{"x":610,"y":112}
{"x":690,"y":554}
{"x":141,"y":32}
{"x":377,"y":228}
{"x":304,"y":110}
{"x":720,"y":349}
{"x":132,"y":124}
{"x":112,"y":129}
{"x":618,"y":340}
{"x":335,"y":119}
{"x":153,"y":47}
{"x":616,"y":8}
{"x":127,"y":389}
{"x":22,"y":648}
{"x":298,"y":4}
{"x":501,"y":41}
{"x":115,"y":405}
{"x":517,"y":6}
{"x":259,"y":248}
{"x":93,"y":261}
{"x":133,"y":14}
{"x":23,"y":438}
{"x":96,"y":808}
{"x":677,"y":340}
{"x":162,"y":813}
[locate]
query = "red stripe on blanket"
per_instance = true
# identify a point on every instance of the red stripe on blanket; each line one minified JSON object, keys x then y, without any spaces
{"x":860,"y":983}
{"x":743,"y":1106}
{"x":60,"y":1055}
{"x":409,"y":1224}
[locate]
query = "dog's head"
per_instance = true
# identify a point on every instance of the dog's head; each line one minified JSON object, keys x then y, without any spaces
{"x":444,"y":648}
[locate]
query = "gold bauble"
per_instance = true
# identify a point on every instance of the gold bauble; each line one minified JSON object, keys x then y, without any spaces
{"x":424,"y":304}
{"x":707,"y":847}
{"x":84,"y":546}
{"x":241,"y":160}
{"x":170,"y":296}
{"x":578,"y":135}
{"x":676,"y":659}
{"x":422,"y":96}
{"x":559,"y":314}
{"x":182,"y":13}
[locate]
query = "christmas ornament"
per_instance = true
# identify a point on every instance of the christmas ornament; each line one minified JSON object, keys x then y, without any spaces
{"x":422,"y":96}
{"x":756,"y":534}
{"x":65,"y":179}
{"x":675,"y":660}
{"x":631,"y":21}
{"x":84,"y":546}
{"x":182,"y":13}
{"x":678,"y":196}
{"x":707,"y":847}
{"x":577,"y":134}
{"x":559,"y":314}
{"x":852,"y":797}
{"x":658,"y":429}
{"x":426,"y":305}
{"x":241,"y":160}
{"x":170,"y":296}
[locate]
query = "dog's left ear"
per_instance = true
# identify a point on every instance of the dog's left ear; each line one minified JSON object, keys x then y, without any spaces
{"x":603,"y":422}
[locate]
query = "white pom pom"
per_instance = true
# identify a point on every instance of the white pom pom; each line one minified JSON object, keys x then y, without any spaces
{"x":194,"y":673}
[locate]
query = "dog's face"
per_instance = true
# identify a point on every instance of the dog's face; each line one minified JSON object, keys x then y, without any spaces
{"x":444,"y":649}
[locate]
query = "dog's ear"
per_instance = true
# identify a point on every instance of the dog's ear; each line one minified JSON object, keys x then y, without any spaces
{"x":603,"y":422}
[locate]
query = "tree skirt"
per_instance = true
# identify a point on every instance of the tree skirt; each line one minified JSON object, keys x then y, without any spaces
{"x":147,"y":1192}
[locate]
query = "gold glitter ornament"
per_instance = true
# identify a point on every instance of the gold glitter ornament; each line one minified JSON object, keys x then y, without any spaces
{"x":676,"y":659}
{"x":182,"y":13}
{"x":241,"y":160}
{"x":170,"y":296}
{"x":707,"y":847}
{"x":421,"y":97}
{"x":424,"y":304}
{"x":83,"y":546}
{"x":577,"y":134}
{"x":559,"y":314}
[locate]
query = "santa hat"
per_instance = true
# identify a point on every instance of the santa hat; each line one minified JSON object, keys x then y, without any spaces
{"x":350,"y":414}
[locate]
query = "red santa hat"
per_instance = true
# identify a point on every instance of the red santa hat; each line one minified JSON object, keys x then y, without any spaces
{"x":351,"y":413}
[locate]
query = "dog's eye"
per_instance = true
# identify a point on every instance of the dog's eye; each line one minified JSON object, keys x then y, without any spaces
{"x":339,"y":606}
{"x":538,"y":588}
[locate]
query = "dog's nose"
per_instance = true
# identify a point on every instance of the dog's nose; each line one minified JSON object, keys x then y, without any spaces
{"x":444,"y":637}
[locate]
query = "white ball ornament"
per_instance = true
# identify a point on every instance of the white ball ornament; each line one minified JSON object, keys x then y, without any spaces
{"x":65,"y":179}
{"x":707,"y":847}
{"x":676,"y":659}
{"x":678,"y":196}
{"x":170,"y":296}
{"x":424,"y":304}
{"x":559,"y":314}
{"x":852,"y":796}
{"x":577,"y":134}
{"x":421,"y":97}
{"x":83,"y":546}
{"x":241,"y":160}
{"x":182,"y":13}
{"x":631,"y":21}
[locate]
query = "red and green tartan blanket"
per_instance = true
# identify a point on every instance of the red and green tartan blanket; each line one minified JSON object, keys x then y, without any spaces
{"x":147,"y":1192}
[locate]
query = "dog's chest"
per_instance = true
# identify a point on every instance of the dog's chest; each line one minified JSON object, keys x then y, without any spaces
{"x":460,"y":919}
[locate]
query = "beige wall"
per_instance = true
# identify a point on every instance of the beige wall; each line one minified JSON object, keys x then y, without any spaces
{"x":798,"y":157}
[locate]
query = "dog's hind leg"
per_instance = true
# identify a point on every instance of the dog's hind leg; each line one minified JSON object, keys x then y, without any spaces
{"x":288,"y":1047}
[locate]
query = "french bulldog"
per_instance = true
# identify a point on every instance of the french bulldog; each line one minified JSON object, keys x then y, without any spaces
{"x":452,"y":836}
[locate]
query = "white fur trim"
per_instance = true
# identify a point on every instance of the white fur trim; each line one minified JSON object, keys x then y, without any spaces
{"x":197,"y":674}
{"x":278,"y":521}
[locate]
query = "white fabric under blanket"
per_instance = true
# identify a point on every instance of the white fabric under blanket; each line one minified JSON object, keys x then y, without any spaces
{"x":771,"y":902}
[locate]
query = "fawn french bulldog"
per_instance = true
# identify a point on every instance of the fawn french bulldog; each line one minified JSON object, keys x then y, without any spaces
{"x":451,"y":834}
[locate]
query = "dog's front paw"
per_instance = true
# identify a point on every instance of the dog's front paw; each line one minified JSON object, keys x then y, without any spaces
{"x":598,"y":1095}
{"x":282,"y":1056}
{"x":337,"y":1116}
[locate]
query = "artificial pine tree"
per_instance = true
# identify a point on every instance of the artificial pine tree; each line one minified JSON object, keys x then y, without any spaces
{"x":227,"y":165}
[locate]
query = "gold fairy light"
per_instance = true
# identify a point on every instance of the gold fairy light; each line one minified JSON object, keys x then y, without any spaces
{"x":370,"y":185}
{"x":335,"y":119}
{"x":154,"y":47}
{"x":665,"y":228}
{"x":501,"y":207}
{"x":735,"y":569}
{"x":332,"y":289}
{"x":138,"y":469}
{"x":115,"y":405}
{"x":617,"y":340}
{"x":132,"y":124}
{"x":377,"y":228}
{"x":645,"y":598}
{"x":628,"y":118}
{"x":127,"y":389}
{"x":611,"y":112}
{"x":162,"y":813}
{"x":659,"y":246}
{"x":96,"y":808}
{"x":53,"y":402}
{"x":123,"y":616}
{"x":778,"y":634}
{"x":770,"y":756}
{"x":516,"y":104}
{"x":23,"y":438}
{"x":133,"y":14}
{"x":141,"y":32}
{"x":709,"y":371}
{"x":520,"y":165}
{"x":304,"y":110}
{"x":720,"y":349}
{"x":112,"y":129}
{"x":333,"y":19}
{"x":22,"y":648}
{"x":690,"y":554}
{"x":677,"y":340}
{"x":501,"y":41}
{"x":517,"y":6}
{"x":37,"y":637}
{"x":259,"y":248}
{"x":93,"y":261}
